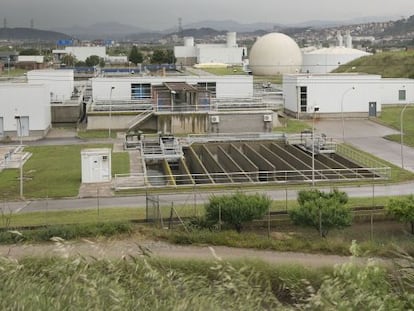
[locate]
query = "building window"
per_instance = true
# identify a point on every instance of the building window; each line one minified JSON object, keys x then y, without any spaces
{"x":401,"y":95}
{"x":303,"y":98}
{"x":208,"y":86}
{"x":140,"y":91}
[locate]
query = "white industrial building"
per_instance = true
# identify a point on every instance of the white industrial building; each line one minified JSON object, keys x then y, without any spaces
{"x":326,"y":60}
{"x":60,"y":83}
{"x":227,"y":53}
{"x":130,"y":88}
{"x":350,"y":95}
{"x":24,"y":110}
{"x":81,"y":53}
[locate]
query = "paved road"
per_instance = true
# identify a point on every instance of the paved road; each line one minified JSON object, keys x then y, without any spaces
{"x":187,"y":198}
{"x":124,"y":248}
{"x":368,"y":136}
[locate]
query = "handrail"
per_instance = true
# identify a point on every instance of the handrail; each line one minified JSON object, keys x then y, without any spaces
{"x":264,"y":177}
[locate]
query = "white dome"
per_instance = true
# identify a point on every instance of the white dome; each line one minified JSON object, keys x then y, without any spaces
{"x":275,"y":53}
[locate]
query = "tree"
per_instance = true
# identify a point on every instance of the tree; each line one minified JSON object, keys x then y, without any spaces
{"x":135,"y":56}
{"x":323,"y":211}
{"x":158,"y":57}
{"x":403,"y":210}
{"x":236,"y":209}
{"x":92,"y":60}
{"x":29,"y":52}
{"x":69,"y":60}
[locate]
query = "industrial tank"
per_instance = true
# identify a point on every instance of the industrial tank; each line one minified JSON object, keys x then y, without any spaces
{"x":274,"y":54}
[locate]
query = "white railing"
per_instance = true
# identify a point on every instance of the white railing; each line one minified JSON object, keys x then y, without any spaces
{"x":258,"y":177}
{"x":139,"y":118}
{"x":202,"y":138}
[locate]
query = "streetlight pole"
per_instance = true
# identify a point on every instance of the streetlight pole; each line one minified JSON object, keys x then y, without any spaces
{"x":315,"y":109}
{"x":19,"y":130}
{"x":110,"y":111}
{"x":402,"y":133}
{"x":342,"y":112}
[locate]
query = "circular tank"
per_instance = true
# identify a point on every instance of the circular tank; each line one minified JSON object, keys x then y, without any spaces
{"x":275,"y":54}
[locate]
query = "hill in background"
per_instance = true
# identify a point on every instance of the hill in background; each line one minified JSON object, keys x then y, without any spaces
{"x":31,"y":34}
{"x":387,"y":64}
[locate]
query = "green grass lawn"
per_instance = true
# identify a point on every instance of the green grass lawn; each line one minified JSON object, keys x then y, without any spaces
{"x":391,"y":116}
{"x":54,"y":171}
{"x":13,"y":72}
{"x":234,"y":70}
{"x":95,"y":134}
{"x":291,"y":126}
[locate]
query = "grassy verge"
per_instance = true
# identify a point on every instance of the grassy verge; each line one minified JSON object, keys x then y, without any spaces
{"x":87,"y":134}
{"x":54,"y":172}
{"x":391,"y":116}
{"x":233,"y":70}
{"x":96,"y":215}
{"x":291,"y":126}
{"x":67,"y":232}
{"x":154,"y":284}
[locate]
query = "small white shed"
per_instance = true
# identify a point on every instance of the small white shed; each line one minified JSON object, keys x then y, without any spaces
{"x":96,"y":165}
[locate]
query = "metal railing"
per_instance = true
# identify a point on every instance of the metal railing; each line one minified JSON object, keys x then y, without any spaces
{"x":321,"y":143}
{"x":258,"y":177}
{"x":218,"y":137}
{"x":357,"y":156}
{"x":140,"y":118}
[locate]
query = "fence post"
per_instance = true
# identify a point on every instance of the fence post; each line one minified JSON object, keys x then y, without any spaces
{"x":320,"y":222}
{"x":146,"y":205}
{"x":372,"y":225}
{"x":97,"y":199}
{"x":286,"y":199}
{"x":268,"y":223}
{"x":219,"y":217}
{"x":171,"y":215}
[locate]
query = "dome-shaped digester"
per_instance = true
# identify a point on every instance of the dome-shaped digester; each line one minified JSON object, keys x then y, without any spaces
{"x":275,"y":53}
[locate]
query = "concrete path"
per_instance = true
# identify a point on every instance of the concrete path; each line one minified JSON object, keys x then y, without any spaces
{"x":118,"y":249}
{"x":368,"y":136}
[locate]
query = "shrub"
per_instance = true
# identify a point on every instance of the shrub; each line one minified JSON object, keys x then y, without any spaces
{"x":322,"y":211}
{"x":236,"y":209}
{"x":403,"y":210}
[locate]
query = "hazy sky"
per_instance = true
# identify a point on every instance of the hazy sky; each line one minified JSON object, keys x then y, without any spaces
{"x":161,"y":14}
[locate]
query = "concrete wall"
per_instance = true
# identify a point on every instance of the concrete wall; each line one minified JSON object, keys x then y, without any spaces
{"x":225,"y":55}
{"x":83,"y":52}
{"x":391,"y":87}
{"x":65,"y":113}
{"x":182,"y":123}
{"x":26,"y":101}
{"x":240,"y":122}
{"x":60,"y":83}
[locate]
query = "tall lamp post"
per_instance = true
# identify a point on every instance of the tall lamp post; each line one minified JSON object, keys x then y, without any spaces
{"x":402,"y":133}
{"x":342,"y":111}
{"x":110,"y":111}
{"x":315,"y":109}
{"x":19,"y":130}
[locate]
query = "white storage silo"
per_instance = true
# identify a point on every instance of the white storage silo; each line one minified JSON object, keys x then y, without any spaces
{"x":231,"y":40}
{"x":188,"y":41}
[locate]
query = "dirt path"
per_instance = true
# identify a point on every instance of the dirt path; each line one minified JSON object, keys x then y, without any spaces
{"x":117,"y":249}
